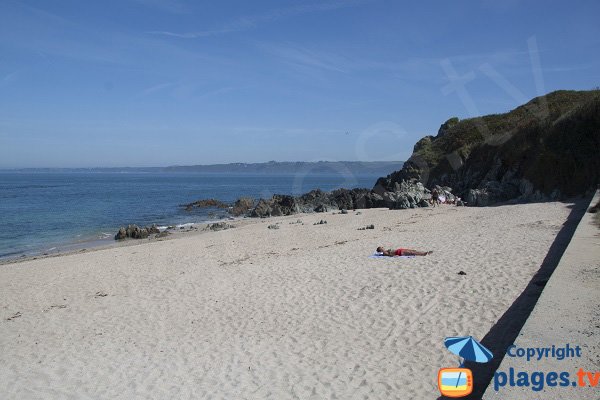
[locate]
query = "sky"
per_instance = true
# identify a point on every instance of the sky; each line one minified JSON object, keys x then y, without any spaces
{"x":174,"y":82}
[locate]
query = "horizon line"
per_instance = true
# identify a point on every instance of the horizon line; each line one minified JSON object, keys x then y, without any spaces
{"x":195,"y":165}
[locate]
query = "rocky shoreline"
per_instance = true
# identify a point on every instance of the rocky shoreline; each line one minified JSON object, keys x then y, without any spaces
{"x":544,"y":150}
{"x":403,"y":195}
{"x":516,"y":157}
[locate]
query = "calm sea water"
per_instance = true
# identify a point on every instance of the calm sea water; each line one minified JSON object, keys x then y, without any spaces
{"x":51,"y":212}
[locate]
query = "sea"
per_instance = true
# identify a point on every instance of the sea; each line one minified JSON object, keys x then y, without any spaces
{"x":53,"y":212}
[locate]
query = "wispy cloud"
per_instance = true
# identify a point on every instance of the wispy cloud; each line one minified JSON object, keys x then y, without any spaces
{"x":215,"y":92}
{"x":50,"y":36}
{"x":9,"y":78}
{"x":253,"y":21}
{"x":280,"y":131}
{"x":172,"y":6}
{"x":569,"y":68}
{"x":157,"y":88}
{"x":45,"y":34}
{"x":185,"y":90}
{"x":302,"y":57}
{"x":309,"y":60}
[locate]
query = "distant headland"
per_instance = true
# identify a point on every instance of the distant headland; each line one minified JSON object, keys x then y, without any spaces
{"x":271,"y":167}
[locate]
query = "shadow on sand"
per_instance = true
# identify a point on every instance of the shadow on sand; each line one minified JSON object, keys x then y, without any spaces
{"x":506,"y":330}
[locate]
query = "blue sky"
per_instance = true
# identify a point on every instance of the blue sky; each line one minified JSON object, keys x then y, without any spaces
{"x":165,"y":82}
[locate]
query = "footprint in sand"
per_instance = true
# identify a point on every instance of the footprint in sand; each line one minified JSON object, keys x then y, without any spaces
{"x":55,"y":306}
{"x":14,"y":316}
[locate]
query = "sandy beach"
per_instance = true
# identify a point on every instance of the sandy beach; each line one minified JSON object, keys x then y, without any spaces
{"x":299,"y":312}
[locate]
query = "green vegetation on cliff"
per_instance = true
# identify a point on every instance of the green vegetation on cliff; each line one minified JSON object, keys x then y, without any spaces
{"x":552,"y":142}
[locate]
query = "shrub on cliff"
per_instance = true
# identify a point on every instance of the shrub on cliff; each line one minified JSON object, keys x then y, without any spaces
{"x":552,"y":142}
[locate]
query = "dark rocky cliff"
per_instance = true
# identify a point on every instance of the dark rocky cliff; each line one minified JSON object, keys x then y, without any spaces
{"x":546,"y":149}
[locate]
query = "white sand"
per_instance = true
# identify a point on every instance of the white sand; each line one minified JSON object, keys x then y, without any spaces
{"x":253,"y":313}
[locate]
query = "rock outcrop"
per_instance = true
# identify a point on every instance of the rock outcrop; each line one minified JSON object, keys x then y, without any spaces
{"x":242,"y":206}
{"x":403,"y":195}
{"x":546,"y":149}
{"x":206,"y":203}
{"x":136,"y":232}
{"x":218,"y":226}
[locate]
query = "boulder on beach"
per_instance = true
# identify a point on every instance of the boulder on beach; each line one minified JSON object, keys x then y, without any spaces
{"x":218,"y":226}
{"x":317,"y":201}
{"x":321,"y":208}
{"x":342,"y":198}
{"x":367,"y":227}
{"x":206,"y":203}
{"x":287,"y":205}
{"x":405,"y":194}
{"x":135,"y":232}
{"x":276,"y":206}
{"x":262,"y":209}
{"x":242,"y":206}
{"x":153,"y":229}
{"x":122,"y":234}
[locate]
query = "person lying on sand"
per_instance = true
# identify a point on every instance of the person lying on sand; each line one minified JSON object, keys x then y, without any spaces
{"x":402,"y":252}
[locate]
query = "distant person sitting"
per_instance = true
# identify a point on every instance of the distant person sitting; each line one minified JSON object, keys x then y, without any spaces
{"x":401,"y":252}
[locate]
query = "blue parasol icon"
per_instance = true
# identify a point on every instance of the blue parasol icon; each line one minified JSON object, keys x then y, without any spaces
{"x":468,"y":348}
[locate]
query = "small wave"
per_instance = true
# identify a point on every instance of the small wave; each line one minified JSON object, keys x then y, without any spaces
{"x":11,"y":253}
{"x":37,"y":186}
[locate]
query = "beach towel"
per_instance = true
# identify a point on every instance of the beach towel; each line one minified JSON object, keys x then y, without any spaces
{"x":380,"y":255}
